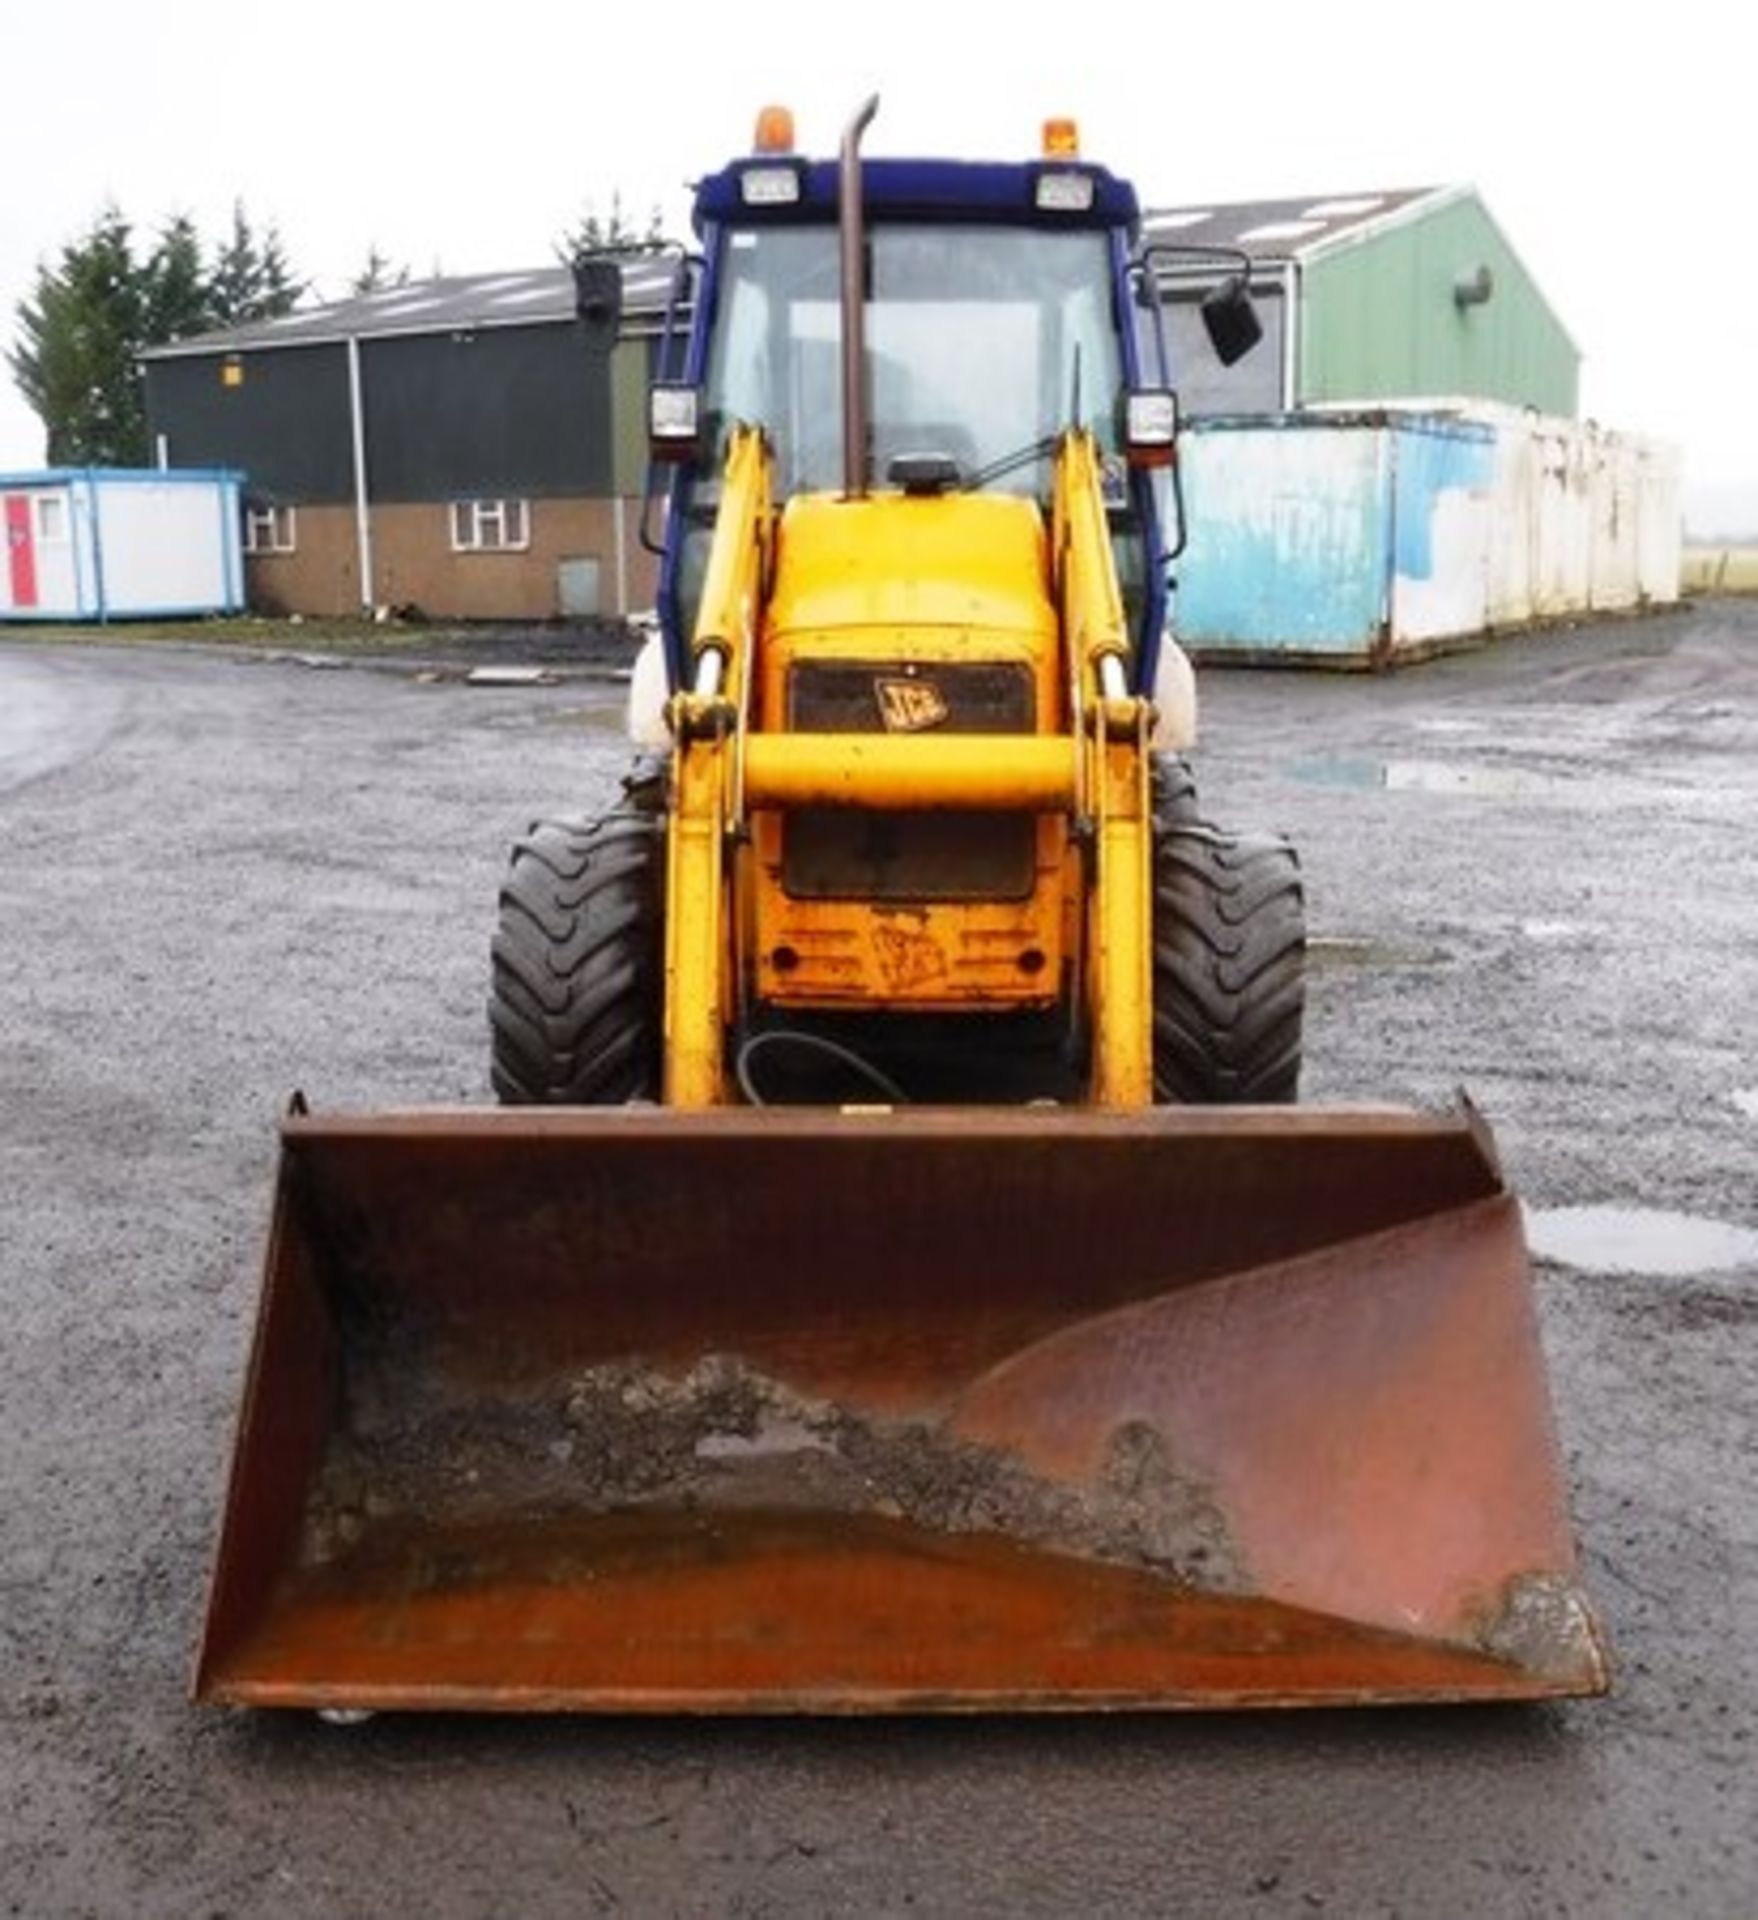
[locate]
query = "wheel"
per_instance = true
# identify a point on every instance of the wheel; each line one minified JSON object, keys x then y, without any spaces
{"x":1172,"y":792}
{"x":576,"y":1003}
{"x":1229,"y":958}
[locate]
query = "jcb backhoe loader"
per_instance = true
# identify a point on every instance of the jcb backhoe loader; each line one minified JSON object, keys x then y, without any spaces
{"x":897,"y":1276}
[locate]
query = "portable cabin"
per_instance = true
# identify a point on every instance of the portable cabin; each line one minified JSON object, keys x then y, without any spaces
{"x":119,"y":543}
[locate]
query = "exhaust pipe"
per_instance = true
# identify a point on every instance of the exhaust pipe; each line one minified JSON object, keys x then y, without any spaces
{"x":854,"y":352}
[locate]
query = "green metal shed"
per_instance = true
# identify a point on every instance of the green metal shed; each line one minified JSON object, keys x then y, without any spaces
{"x":1391,"y":294}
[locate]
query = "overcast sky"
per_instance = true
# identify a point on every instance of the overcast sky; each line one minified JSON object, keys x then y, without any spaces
{"x":1616,"y":156}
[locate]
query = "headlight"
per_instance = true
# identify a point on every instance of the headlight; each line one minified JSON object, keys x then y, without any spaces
{"x":674,"y":419}
{"x":1150,"y":426}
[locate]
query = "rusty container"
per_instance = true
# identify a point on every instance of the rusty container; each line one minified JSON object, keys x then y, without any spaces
{"x":844,"y":1411}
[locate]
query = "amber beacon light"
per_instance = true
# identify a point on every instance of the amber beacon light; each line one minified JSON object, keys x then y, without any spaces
{"x":1061,"y":140}
{"x":775,"y":130}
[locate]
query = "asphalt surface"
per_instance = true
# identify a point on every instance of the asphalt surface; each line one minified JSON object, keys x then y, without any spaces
{"x":1533,"y":870}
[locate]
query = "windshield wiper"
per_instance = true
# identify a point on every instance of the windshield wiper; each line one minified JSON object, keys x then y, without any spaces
{"x":1012,"y":462}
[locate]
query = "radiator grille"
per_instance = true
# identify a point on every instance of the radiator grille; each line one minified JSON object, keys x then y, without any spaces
{"x":915,"y":696}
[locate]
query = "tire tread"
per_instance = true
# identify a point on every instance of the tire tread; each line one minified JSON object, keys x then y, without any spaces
{"x":575,"y":1000}
{"x":1229,"y":957}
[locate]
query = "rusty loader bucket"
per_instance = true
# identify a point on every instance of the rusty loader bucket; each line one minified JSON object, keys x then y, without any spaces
{"x":764,"y":1411}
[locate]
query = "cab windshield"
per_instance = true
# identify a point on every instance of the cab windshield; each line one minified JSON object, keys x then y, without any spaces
{"x":983,"y":343}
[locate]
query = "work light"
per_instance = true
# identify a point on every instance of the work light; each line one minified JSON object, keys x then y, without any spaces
{"x":769,"y":186}
{"x":1061,"y":192}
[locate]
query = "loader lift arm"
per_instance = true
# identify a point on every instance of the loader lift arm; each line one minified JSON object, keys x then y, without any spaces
{"x":708,"y":723}
{"x":1112,"y":730}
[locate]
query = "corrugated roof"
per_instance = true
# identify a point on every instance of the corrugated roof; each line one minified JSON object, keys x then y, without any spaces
{"x":1274,"y":230}
{"x":454,"y":303}
{"x":1269,"y":230}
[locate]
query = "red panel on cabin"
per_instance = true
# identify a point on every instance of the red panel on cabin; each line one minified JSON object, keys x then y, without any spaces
{"x":21,"y":552}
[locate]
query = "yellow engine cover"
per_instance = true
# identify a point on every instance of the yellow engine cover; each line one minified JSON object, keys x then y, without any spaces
{"x":899,"y":616}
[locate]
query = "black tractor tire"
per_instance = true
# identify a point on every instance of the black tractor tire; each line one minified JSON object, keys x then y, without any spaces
{"x":576,"y":1004}
{"x":1172,"y":791}
{"x":1229,"y":957}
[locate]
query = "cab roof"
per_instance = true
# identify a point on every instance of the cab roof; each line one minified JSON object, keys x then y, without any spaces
{"x":980,"y":190}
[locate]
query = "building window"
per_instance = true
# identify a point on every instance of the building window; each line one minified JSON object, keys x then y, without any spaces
{"x":51,"y":519}
{"x":491,"y":526}
{"x":269,"y":530}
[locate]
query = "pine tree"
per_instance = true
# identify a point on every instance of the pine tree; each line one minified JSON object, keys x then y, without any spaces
{"x":75,"y":358}
{"x":379,"y":275}
{"x":282,"y":289}
{"x":607,"y":233}
{"x":251,"y":279}
{"x":174,"y":285}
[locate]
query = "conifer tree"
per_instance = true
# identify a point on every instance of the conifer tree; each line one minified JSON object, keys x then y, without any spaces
{"x":594,"y":232}
{"x":74,"y":358}
{"x":250,"y":279}
{"x":379,"y":275}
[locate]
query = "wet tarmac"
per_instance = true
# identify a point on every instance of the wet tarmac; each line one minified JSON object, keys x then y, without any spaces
{"x":220,"y":880}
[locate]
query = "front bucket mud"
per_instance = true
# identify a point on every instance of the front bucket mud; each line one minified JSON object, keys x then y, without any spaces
{"x":847,"y":1412}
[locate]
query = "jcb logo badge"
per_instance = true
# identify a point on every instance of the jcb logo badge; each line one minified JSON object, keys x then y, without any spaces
{"x":909,"y":706}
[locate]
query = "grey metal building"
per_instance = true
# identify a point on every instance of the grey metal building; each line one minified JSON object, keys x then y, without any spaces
{"x":453,"y":445}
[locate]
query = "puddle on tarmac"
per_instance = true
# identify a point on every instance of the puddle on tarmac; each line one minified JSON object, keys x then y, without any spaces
{"x":607,"y":717}
{"x":1341,"y":950}
{"x":1418,"y":776}
{"x":602,"y":718}
{"x":1638,"y":1240}
{"x":1325,"y":951}
{"x":1746,"y":1099}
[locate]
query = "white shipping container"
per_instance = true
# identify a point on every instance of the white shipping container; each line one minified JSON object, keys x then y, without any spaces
{"x":1463,"y":517}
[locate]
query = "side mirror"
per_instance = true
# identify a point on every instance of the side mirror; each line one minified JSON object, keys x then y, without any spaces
{"x":674,"y":420}
{"x":1150,"y":427}
{"x":1231,"y":321}
{"x":598,"y":298}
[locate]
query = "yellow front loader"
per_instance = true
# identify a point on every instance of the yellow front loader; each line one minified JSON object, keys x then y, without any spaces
{"x":897,"y":1276}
